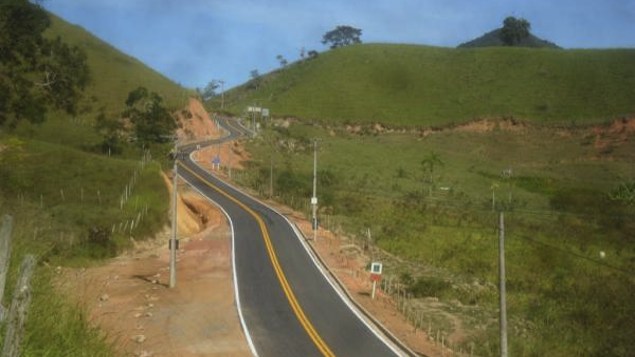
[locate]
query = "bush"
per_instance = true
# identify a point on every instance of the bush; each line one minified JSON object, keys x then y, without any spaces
{"x":429,"y":287}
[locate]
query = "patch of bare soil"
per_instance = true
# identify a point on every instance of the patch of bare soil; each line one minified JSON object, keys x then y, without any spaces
{"x":128,"y":297}
{"x":607,"y":137}
{"x":232,"y":155}
{"x":194,"y":123}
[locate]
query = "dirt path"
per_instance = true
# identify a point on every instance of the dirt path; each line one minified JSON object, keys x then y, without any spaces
{"x":129,"y":300}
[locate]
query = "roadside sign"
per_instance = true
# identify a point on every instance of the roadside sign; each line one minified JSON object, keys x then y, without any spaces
{"x":375,"y":276}
{"x":376,"y":268}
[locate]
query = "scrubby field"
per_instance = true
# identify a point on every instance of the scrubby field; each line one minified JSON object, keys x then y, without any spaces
{"x":570,"y":247}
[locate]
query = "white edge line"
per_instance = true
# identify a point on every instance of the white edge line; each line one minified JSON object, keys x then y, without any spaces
{"x":337,"y":289}
{"x":243,"y":324}
{"x":319,"y":266}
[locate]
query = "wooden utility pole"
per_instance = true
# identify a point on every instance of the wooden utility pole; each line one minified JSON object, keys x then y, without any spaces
{"x":174,"y":241}
{"x":314,"y":200}
{"x":222,"y":94}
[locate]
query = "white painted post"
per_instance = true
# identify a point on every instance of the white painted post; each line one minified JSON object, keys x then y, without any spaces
{"x":372,"y":295}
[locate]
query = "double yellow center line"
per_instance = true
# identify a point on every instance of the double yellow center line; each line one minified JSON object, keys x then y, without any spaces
{"x":293,"y":301}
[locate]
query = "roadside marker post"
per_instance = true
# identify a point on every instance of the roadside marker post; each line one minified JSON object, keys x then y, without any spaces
{"x":375,"y":275}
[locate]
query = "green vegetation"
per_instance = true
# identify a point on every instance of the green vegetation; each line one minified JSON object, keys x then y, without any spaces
{"x":73,"y":199}
{"x":36,"y":72}
{"x":429,"y":201}
{"x":114,"y":73}
{"x":151,"y":121}
{"x":515,"y":32}
{"x":419,"y":86}
{"x":342,"y":36}
{"x":493,"y":39}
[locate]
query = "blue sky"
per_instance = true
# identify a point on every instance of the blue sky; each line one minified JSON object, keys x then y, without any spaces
{"x":195,"y":41}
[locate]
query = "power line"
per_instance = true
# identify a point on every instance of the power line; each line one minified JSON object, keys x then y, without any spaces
{"x":577,"y":255}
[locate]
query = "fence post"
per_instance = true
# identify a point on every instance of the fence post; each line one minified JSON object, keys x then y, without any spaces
{"x":5,"y":255}
{"x":19,"y":308}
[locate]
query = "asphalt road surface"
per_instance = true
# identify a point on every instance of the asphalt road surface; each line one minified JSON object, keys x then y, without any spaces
{"x":287,"y":305}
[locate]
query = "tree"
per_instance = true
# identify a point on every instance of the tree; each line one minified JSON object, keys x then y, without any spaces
{"x":254,"y":83}
{"x":342,"y":36}
{"x":514,"y":30}
{"x":151,"y":121}
{"x":312,"y":54}
{"x":112,"y":130}
{"x":282,"y":60}
{"x":428,"y":165}
{"x":210,"y":89}
{"x":36,"y":72}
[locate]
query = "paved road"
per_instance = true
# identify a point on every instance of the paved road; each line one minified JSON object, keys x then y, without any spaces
{"x":288,"y":306}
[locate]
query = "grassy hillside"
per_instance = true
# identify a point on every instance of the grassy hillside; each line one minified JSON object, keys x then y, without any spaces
{"x":493,"y":38}
{"x":419,"y":86}
{"x":71,"y":203}
{"x":115,"y":73}
{"x":569,"y":246}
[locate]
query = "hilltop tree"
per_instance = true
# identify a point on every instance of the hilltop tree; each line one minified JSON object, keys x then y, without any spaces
{"x":151,"y":121}
{"x":36,"y":72}
{"x":514,"y":30}
{"x":254,"y":83}
{"x":209,"y":91}
{"x":283,"y":61}
{"x":342,"y":36}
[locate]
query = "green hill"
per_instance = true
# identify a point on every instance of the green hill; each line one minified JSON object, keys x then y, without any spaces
{"x":115,"y":73}
{"x":67,"y":197}
{"x":493,"y":39}
{"x":421,"y":86}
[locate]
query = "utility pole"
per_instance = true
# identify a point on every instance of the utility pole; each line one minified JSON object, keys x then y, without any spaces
{"x":222,"y":94}
{"x":271,"y":177}
{"x":174,"y":242}
{"x":314,"y":199}
{"x":501,"y":270}
{"x":253,"y":118}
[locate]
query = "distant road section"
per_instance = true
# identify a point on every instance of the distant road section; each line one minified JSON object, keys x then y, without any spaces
{"x":288,"y":306}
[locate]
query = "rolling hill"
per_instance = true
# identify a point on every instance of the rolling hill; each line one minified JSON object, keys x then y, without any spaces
{"x":493,"y":39}
{"x":422,"y":86}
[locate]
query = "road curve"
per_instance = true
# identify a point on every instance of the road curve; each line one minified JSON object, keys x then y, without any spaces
{"x":287,"y":305}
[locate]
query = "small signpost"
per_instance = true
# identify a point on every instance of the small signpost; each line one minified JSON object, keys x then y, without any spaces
{"x":216,"y":162}
{"x":375,"y":276}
